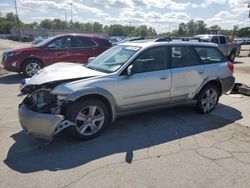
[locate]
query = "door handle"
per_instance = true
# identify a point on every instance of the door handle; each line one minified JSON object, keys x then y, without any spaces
{"x":201,"y":72}
{"x":163,"y":77}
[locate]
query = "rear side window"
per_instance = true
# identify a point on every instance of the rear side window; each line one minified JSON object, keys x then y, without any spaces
{"x":103,"y":42}
{"x":209,"y":55}
{"x":83,"y":42}
{"x":183,"y":56}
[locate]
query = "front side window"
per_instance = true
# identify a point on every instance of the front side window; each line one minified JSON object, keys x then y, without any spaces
{"x":183,"y":56}
{"x":83,"y":42}
{"x":63,"y":42}
{"x":114,"y":58}
{"x":209,"y":55}
{"x":151,"y":60}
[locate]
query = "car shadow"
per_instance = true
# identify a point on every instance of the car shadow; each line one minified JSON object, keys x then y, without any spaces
{"x":237,"y":62}
{"x":127,"y":135}
{"x":11,"y":78}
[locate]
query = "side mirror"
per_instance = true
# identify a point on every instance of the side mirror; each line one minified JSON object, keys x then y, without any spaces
{"x":130,"y":70}
{"x":91,"y":59}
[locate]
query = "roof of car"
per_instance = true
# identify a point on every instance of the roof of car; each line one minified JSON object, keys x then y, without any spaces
{"x":209,"y":35}
{"x":152,"y":43}
{"x":80,"y":34}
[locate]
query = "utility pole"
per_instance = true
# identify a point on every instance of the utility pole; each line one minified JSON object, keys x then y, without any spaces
{"x":248,"y":6}
{"x":17,"y":21}
{"x":71,"y":15}
{"x":66,"y":20}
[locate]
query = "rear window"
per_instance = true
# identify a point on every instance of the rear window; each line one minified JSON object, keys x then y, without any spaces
{"x":209,"y":55}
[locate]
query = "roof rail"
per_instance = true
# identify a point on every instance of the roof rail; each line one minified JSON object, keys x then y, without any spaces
{"x":167,"y":39}
{"x":163,"y":39}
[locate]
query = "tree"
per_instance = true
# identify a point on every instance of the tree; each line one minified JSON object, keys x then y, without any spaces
{"x":182,"y":29}
{"x":116,"y":30}
{"x":244,"y":32}
{"x":215,"y":27}
{"x":97,"y":27}
{"x":201,"y":27}
{"x":46,"y":24}
{"x":142,"y":31}
{"x":10,"y":17}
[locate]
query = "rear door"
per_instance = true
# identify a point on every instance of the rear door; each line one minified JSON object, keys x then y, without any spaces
{"x":215,"y":62}
{"x":83,"y":48}
{"x":188,"y":73}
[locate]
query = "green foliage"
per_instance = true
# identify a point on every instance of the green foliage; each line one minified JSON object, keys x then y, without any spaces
{"x":188,"y":29}
{"x":244,"y":32}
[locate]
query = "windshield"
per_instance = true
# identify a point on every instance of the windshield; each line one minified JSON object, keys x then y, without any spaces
{"x":111,"y":60}
{"x":44,"y":42}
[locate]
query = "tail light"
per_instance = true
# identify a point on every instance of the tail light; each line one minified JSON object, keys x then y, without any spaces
{"x":230,"y":66}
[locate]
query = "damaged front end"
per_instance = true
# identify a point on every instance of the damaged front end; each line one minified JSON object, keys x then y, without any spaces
{"x":41,"y":114}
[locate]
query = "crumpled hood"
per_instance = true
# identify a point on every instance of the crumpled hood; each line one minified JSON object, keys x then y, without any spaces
{"x":61,"y":71}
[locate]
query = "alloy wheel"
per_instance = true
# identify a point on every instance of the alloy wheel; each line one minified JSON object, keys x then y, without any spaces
{"x":89,"y":120}
{"x":32,"y":68}
{"x":209,"y":99}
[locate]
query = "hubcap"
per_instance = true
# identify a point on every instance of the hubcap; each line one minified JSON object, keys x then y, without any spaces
{"x":32,"y":69}
{"x":89,"y":120}
{"x":209,"y":99}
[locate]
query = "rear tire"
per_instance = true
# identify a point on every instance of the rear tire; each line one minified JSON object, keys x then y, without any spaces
{"x":31,"y":67}
{"x":208,"y":99}
{"x":90,"y":116}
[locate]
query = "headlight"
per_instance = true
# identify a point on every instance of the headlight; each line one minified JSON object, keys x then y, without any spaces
{"x":12,"y":54}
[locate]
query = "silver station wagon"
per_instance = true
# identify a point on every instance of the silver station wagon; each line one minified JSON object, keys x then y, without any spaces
{"x":128,"y":78}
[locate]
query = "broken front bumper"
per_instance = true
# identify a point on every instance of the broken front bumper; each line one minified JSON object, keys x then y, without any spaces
{"x":39,"y":125}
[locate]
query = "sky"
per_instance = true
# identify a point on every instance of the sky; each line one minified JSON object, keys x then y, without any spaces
{"x":162,"y":15}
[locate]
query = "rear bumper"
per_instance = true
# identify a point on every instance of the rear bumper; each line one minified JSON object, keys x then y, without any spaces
{"x":38,"y":125}
{"x":227,"y":84}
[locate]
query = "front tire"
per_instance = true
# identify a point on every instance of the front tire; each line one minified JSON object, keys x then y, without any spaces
{"x":31,"y":67}
{"x":90,"y":116}
{"x":208,"y":99}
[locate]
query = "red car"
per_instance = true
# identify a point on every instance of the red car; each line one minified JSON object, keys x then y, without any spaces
{"x":76,"y":48}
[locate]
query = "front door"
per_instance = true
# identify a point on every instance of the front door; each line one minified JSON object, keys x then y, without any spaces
{"x":59,"y":50}
{"x":150,"y":84}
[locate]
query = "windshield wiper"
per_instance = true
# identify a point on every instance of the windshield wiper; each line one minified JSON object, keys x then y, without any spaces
{"x":90,"y":67}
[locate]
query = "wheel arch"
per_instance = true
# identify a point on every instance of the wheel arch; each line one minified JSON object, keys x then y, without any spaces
{"x":216,"y":82}
{"x":29,"y":59}
{"x":97,"y":93}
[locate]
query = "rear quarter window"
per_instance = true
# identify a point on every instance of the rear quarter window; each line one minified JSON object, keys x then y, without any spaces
{"x":103,"y":42}
{"x":210,"y":55}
